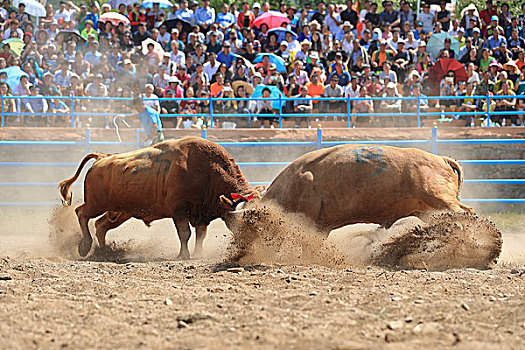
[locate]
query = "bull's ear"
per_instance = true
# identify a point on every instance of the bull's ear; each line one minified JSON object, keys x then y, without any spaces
{"x":226,"y":202}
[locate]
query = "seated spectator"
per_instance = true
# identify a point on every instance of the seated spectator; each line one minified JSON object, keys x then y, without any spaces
{"x":505,"y":105}
{"x":265,"y":106}
{"x":34,"y":105}
{"x":363,"y":105}
{"x":381,"y":55}
{"x":392,"y":106}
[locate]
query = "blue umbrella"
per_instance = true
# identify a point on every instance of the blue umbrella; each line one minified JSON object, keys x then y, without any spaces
{"x":281,"y":33}
{"x":163,"y":4}
{"x":437,"y":42}
{"x":274,"y":93}
{"x":278,"y":61}
{"x":13,"y":75}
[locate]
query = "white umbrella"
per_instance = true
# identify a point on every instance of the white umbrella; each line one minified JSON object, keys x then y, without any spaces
{"x":157,"y":47}
{"x":114,"y":17}
{"x":33,"y":7}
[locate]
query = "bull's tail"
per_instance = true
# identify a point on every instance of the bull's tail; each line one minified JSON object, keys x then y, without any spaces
{"x":458,"y":169}
{"x":66,"y":184}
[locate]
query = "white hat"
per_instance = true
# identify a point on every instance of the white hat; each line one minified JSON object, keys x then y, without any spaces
{"x":346,"y":24}
{"x":256,"y":5}
{"x":391,"y":85}
{"x":127,"y":61}
{"x":471,"y":7}
{"x":173,"y":79}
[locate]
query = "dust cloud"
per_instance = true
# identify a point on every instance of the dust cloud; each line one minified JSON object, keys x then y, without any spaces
{"x":267,"y":234}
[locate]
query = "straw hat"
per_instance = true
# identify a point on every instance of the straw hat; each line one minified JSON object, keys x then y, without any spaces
{"x":247,"y":87}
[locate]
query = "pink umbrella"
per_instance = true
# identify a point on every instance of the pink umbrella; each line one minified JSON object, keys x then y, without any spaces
{"x":272,"y":19}
{"x":114,"y":17}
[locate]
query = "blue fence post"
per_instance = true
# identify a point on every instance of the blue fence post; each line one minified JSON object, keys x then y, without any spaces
{"x":72,"y":112}
{"x":348,"y":112}
{"x":138,"y":138}
{"x":2,"y":111}
{"x":418,"y":112}
{"x":434,"y":139}
{"x":204,"y":132}
{"x":87,"y":137}
{"x":487,"y":103}
{"x":319,"y":140}
{"x":211,"y":112}
{"x":280,"y":113}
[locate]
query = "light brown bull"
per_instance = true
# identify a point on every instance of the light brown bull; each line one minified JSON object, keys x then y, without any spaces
{"x":350,"y":184}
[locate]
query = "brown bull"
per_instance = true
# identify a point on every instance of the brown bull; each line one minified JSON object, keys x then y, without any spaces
{"x":188,"y":180}
{"x":351,"y":184}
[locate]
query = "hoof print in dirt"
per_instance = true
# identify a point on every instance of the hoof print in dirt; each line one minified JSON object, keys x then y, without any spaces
{"x":447,"y":240}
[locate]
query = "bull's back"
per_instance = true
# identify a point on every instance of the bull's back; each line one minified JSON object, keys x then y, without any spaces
{"x":137,"y":179}
{"x":354,"y":183}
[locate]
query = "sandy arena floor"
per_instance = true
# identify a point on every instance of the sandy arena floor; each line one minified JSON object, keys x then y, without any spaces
{"x":154,"y":301}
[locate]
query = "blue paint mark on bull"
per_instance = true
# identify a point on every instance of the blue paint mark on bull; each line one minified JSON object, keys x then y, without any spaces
{"x":371,"y":154}
{"x":157,"y":159}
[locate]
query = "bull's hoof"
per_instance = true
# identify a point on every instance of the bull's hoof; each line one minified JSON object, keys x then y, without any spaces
{"x":198,"y":254}
{"x":184,"y":256}
{"x":84,"y":246}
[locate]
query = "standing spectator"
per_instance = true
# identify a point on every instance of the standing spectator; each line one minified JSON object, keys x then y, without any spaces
{"x":320,"y":14}
{"x":150,"y":120}
{"x":94,"y":15}
{"x":406,"y":15}
{"x":225,"y":18}
{"x":246,"y":17}
{"x":389,"y":15}
{"x":333,"y":19}
{"x":211,"y":67}
{"x":205,"y":16}
{"x":136,"y":18}
{"x":350,"y":15}
{"x":443,"y":16}
{"x":150,"y":99}
{"x":427,"y":18}
{"x":184,"y":13}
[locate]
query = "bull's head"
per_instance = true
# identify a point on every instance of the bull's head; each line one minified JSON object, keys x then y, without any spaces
{"x":236,"y":205}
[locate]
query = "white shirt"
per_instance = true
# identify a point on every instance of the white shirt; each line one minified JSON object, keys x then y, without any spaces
{"x":334,"y":27}
{"x":179,"y":58}
{"x":350,"y":92}
{"x":66,"y":15}
{"x":209,"y":70}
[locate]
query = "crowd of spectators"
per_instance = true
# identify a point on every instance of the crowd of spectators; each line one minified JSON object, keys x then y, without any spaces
{"x":328,"y":50}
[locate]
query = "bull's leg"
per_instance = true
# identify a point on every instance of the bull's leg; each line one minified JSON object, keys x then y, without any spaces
{"x":84,"y":246}
{"x":183,"y":229}
{"x":109,"y":221}
{"x":200,"y":235}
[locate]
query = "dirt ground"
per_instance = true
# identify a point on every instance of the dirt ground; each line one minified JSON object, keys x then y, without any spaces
{"x":151,"y":300}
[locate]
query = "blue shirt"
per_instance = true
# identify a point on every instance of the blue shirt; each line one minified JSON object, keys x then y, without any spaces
{"x":186,"y":15}
{"x":93,"y":17}
{"x":148,"y":118}
{"x":225,"y":19}
{"x":228,"y":59}
{"x":204,"y":15}
{"x":493,"y":43}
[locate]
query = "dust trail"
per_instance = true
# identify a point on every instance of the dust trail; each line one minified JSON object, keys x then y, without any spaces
{"x":269,"y":235}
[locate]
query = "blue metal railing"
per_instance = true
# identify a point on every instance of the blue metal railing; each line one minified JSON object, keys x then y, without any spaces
{"x":433,"y":142}
{"x":213,"y":115}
